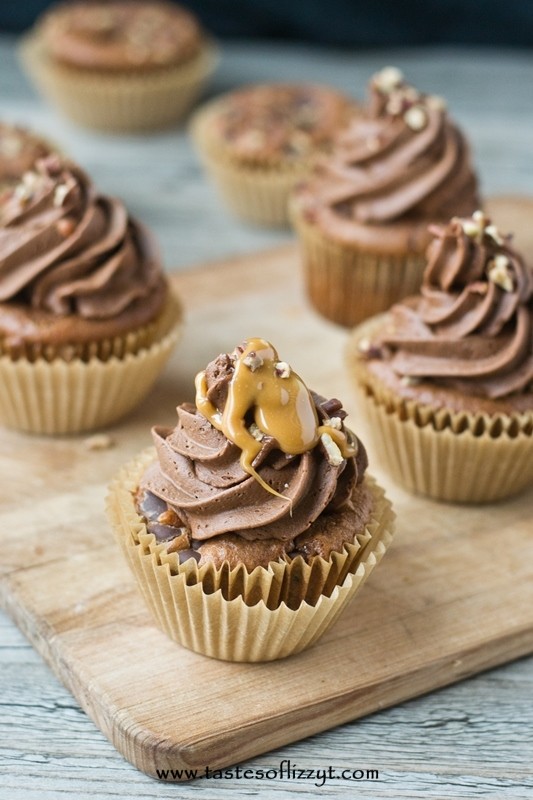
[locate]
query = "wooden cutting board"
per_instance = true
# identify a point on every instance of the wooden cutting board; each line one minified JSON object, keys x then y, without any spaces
{"x":453,"y":596}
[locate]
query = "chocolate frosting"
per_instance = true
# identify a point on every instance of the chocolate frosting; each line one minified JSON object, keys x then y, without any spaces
{"x":65,"y":249}
{"x":199,"y":473}
{"x":121,"y":35}
{"x":403,"y":161}
{"x":271,"y":121}
{"x":19,"y":149}
{"x":471,"y":327}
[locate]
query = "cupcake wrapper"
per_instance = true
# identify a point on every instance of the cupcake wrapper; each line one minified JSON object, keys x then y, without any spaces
{"x":232,"y":615}
{"x":258,"y":193}
{"x":347,"y":285}
{"x":457,"y":457}
{"x":119,"y":103}
{"x":60,"y":397}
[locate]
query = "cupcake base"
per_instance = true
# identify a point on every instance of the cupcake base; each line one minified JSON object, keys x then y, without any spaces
{"x":460,"y":457}
{"x":347,"y":284}
{"x":233,"y":615}
{"x":64,"y":397}
{"x":118,"y":103}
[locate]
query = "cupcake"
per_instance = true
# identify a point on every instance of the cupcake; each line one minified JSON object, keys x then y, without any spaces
{"x":257,"y":142}
{"x":87,"y":318}
{"x":362,"y":216}
{"x":254,"y":521}
{"x":120,"y":65}
{"x":19,"y":150}
{"x":446,"y":376}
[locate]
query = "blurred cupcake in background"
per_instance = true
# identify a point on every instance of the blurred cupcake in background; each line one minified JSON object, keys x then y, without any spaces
{"x":120,"y":65}
{"x":446,"y":377}
{"x":362,"y":216}
{"x":258,"y":141}
{"x":87,"y":317}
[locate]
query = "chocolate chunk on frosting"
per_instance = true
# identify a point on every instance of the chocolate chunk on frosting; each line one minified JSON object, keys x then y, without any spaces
{"x":471,"y":327}
{"x":258,"y":458}
{"x":67,"y":249}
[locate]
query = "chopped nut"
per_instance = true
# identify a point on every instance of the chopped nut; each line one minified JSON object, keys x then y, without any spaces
{"x":416,"y":118}
{"x":493,"y":232}
{"x":180,"y":542}
{"x":65,"y":227}
{"x":100,"y":441}
{"x":499,"y":274}
{"x":253,"y":361}
{"x":388,"y":79}
{"x":60,"y":194}
{"x":480,"y":218}
{"x":333,"y":422}
{"x":364,"y":344}
{"x":332,"y":450}
{"x":169,"y":517}
{"x":256,"y":432}
{"x":470,"y":228}
{"x":283,"y":370}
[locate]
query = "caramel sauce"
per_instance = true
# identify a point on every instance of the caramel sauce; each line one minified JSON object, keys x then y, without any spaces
{"x":278,"y":399}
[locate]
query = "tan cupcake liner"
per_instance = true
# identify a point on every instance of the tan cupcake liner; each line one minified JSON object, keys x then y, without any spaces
{"x":460,"y":457}
{"x":347,"y":285}
{"x":235,"y":615}
{"x":257,"y":193}
{"x":61,"y":397}
{"x":118,"y":103}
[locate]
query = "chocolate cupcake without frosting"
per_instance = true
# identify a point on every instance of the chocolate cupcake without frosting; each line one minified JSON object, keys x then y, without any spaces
{"x":258,"y":141}
{"x":120,"y":65}
{"x":362,"y":217}
{"x":447,"y":375}
{"x":256,"y":508}
{"x":82,"y":292}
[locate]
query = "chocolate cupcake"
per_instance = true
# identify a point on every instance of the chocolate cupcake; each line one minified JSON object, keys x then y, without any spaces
{"x":258,"y":141}
{"x":19,"y":150}
{"x":121,"y":65}
{"x":87,"y":318}
{"x":362,"y":216}
{"x":254,"y":521}
{"x":447,"y":375}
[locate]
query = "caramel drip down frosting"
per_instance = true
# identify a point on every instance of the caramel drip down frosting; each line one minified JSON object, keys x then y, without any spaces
{"x":258,"y":459}
{"x":471,"y":327}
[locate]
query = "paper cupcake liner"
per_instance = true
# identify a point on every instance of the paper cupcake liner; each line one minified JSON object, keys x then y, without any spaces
{"x":257,"y":193}
{"x":118,"y":103}
{"x":347,"y":285}
{"x":233,"y":615}
{"x":60,"y":397}
{"x":460,"y":457}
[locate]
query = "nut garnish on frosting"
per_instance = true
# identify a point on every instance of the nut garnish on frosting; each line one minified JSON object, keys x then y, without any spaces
{"x":404,"y":158}
{"x":260,"y":468}
{"x":471,"y":327}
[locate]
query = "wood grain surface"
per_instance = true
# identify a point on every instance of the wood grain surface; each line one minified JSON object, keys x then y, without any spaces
{"x":454,"y":595}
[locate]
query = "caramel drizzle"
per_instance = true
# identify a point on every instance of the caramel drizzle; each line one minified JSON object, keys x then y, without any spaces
{"x":280,"y":402}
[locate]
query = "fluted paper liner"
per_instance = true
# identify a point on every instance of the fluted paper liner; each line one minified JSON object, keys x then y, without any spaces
{"x":235,"y":615}
{"x":60,"y":397}
{"x":119,"y":103}
{"x":459,"y":457}
{"x":258,"y":193}
{"x":347,"y":284}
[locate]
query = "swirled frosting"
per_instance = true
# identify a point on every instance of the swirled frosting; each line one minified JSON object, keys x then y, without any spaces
{"x":471,"y":327}
{"x":67,"y":250}
{"x":253,"y":465}
{"x":19,"y":149}
{"x":403,"y":161}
